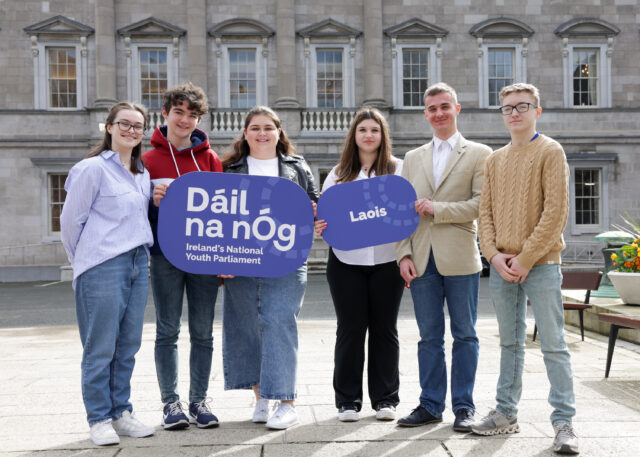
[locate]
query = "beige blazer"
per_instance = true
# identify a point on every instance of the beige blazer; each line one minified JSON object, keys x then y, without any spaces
{"x":451,"y":231}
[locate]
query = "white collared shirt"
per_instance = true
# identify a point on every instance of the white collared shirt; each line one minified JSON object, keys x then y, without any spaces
{"x":373,"y":255}
{"x":441,"y":153}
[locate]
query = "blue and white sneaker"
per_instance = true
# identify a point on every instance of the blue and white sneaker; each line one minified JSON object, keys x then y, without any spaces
{"x":173,"y":418}
{"x":201,"y":415}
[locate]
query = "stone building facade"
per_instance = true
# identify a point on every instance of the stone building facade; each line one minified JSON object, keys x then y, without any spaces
{"x":64,"y":62}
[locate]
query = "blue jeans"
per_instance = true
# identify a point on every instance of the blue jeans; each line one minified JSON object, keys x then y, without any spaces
{"x":461,"y":292}
{"x":542,"y":286}
{"x":169,"y":284}
{"x":260,"y":333}
{"x":110,"y":302}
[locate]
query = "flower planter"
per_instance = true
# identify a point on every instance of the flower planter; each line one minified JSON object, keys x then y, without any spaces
{"x":627,"y":285}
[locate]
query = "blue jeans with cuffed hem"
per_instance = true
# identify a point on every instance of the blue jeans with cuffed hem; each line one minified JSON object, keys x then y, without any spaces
{"x":110,"y":302}
{"x":260,"y":333}
{"x":543,"y":287}
{"x":169,"y":284}
{"x":429,"y":292}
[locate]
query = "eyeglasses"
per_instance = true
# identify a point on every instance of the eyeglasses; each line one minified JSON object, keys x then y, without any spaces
{"x":523,"y":107}
{"x":125,"y":126}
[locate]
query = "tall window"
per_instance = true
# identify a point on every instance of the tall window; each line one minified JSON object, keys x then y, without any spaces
{"x":415,"y":76}
{"x":63,"y":89}
{"x":329,"y":78}
{"x":588,"y":194}
{"x":153,"y":76}
{"x":242,"y":78}
{"x":501,"y":72}
{"x":57,"y":195}
{"x":585,"y":76}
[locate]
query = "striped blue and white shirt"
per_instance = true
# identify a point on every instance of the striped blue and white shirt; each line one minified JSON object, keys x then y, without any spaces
{"x":104,"y":213}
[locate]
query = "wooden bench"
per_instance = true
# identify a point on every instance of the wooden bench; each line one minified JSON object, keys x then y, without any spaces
{"x":578,"y":280}
{"x":617,"y":322}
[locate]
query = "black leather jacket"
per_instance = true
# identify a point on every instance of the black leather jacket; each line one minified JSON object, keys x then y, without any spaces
{"x":291,"y":166}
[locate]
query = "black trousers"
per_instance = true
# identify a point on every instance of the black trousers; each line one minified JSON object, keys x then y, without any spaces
{"x":365,"y":298}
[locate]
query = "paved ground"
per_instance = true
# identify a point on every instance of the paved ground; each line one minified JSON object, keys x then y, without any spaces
{"x":41,"y":411}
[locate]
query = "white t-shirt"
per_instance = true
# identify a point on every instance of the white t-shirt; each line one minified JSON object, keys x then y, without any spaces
{"x":259,"y":167}
{"x":373,"y":255}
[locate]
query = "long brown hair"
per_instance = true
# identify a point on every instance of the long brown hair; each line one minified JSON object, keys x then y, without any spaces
{"x":240,"y":146}
{"x":136,"y":154}
{"x":349,"y":165}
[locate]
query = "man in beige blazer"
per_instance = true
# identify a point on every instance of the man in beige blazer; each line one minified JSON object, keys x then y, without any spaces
{"x":441,"y":259}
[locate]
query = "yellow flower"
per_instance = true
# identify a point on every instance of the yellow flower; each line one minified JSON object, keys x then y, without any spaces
{"x":614,"y":256}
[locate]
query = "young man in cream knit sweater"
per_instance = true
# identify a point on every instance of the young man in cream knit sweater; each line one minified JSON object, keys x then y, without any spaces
{"x":523,"y":212}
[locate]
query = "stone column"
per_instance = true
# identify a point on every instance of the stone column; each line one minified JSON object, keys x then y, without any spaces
{"x":373,"y":81}
{"x":286,"y":51}
{"x":197,"y":42}
{"x":105,"y":53}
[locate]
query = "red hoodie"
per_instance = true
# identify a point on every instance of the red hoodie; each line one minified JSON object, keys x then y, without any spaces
{"x":161,"y":165}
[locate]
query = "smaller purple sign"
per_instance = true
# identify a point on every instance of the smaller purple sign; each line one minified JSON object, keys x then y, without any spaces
{"x":368,"y":212}
{"x":216,"y":223}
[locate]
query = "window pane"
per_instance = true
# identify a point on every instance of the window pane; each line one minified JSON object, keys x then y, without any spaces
{"x":242,"y":77}
{"x":329,"y":78}
{"x":585,"y":76}
{"x":414,"y":76}
{"x":500,"y":72}
{"x":588,"y":196}
{"x":153,"y":76}
{"x":61,"y":63}
{"x":56,"y":196}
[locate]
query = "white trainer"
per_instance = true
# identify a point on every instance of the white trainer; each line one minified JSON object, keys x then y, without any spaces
{"x":348,"y":414}
{"x":261,"y":412}
{"x":284,"y":417}
{"x":128,"y":425}
{"x":386,"y":413}
{"x":103,"y":434}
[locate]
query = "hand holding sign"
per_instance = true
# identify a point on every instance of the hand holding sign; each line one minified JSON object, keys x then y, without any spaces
{"x":214,"y":223}
{"x":368,"y":212}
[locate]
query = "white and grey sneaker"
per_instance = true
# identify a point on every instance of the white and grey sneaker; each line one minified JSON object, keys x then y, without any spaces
{"x":495,"y":423}
{"x":284,"y":417}
{"x":128,"y":425}
{"x":261,"y":412}
{"x":103,"y":433}
{"x":566,"y":441}
{"x":385,"y":412}
{"x":348,"y":413}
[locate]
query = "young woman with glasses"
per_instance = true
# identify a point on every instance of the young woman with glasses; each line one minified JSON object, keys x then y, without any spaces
{"x":106,"y":234}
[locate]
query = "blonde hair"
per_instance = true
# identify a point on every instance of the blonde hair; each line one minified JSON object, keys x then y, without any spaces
{"x":520,"y":87}
{"x":439,"y":88}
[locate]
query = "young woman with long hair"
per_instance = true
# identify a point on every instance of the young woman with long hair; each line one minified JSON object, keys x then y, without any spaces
{"x":106,"y":234}
{"x":365,"y":284}
{"x":260,"y":333}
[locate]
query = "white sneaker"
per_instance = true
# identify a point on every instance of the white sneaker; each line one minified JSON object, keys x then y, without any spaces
{"x":348,"y":414}
{"x":261,"y":412}
{"x":128,"y":425}
{"x":103,"y":433}
{"x":284,"y":417}
{"x":386,"y":413}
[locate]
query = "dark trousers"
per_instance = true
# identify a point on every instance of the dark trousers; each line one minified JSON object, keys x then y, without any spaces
{"x":365,"y":298}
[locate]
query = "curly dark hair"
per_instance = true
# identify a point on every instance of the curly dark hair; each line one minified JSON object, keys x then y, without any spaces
{"x":186,"y":92}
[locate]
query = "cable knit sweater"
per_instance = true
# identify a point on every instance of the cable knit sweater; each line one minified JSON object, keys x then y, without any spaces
{"x":525,"y":202}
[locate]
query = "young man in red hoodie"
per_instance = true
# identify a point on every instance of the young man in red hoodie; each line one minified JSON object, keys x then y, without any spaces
{"x":179,"y":148}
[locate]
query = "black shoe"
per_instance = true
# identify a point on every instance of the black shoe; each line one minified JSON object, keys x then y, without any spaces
{"x":464,"y":419}
{"x":418,"y":416}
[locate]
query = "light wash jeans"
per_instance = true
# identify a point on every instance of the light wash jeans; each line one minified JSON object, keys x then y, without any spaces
{"x":542,"y":286}
{"x":110,"y":302}
{"x":169,"y":284}
{"x":461,"y":292}
{"x":260,"y":333}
